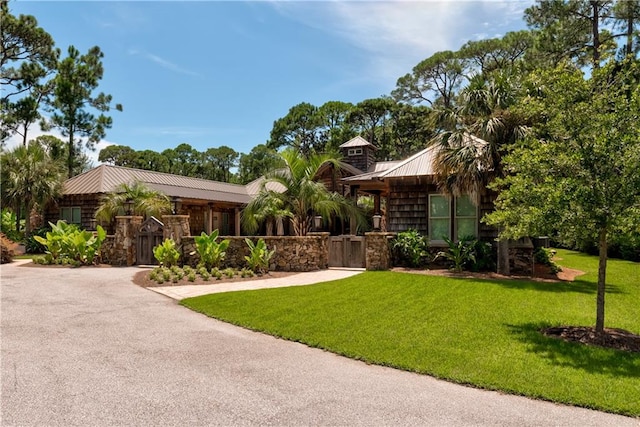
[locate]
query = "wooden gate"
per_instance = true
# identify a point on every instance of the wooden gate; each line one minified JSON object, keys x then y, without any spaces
{"x":149,"y":236}
{"x":346,"y":251}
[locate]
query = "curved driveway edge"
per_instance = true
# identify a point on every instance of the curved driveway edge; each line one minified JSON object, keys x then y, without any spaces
{"x":87,"y":347}
{"x":300,"y":279}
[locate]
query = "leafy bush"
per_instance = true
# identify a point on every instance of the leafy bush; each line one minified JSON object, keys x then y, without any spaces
{"x":67,"y":244}
{"x":259,"y":257}
{"x":229,"y":272}
{"x":211,"y":252}
{"x":461,"y":253}
{"x":411,"y":248}
{"x":166,"y":253}
{"x":8,"y":225}
{"x":485,"y":257}
{"x":31,"y":245}
{"x":544,"y":256}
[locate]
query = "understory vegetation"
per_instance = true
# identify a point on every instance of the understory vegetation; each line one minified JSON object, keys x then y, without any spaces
{"x":486,"y":333}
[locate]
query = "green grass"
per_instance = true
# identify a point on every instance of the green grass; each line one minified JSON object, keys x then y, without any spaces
{"x":479,"y":332}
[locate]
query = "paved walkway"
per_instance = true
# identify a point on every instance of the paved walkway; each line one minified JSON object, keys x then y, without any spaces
{"x":300,"y":279}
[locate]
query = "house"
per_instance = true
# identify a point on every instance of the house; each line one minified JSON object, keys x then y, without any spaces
{"x":408,"y":191}
{"x":404,"y":192}
{"x":209,"y":204}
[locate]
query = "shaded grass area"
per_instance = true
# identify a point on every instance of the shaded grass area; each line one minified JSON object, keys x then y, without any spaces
{"x":485,"y":333}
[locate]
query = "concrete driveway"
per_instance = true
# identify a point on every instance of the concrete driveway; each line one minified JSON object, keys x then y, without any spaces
{"x":87,"y":347}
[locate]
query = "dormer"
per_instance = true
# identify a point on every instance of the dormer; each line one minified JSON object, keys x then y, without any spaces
{"x":358,"y":152}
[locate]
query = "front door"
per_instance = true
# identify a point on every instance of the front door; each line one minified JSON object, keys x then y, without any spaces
{"x":346,"y":251}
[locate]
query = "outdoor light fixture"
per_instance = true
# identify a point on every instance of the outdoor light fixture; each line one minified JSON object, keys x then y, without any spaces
{"x":376,"y":221}
{"x":317,"y":222}
{"x":128,"y":204}
{"x":174,"y":205}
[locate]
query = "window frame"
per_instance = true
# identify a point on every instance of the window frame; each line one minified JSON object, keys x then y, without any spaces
{"x":438,"y":241}
{"x":354,"y":152}
{"x":69,"y":218}
{"x":456,"y":217}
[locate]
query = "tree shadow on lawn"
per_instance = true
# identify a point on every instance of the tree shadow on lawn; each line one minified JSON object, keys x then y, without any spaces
{"x":574,"y":355}
{"x":576,"y":286}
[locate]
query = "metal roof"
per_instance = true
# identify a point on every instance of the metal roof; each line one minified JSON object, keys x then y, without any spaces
{"x":383,"y":166}
{"x":419,"y":164}
{"x":358,"y":141}
{"x":106,"y":178}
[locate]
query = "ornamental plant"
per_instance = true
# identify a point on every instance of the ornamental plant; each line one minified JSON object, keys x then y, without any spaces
{"x":210,"y":250}
{"x":259,"y":257}
{"x":67,"y":244}
{"x":166,"y":253}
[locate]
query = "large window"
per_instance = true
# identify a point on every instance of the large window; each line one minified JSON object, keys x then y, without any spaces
{"x":464,"y":222}
{"x":71,"y":215}
{"x":439,"y":217}
{"x":466,"y":218}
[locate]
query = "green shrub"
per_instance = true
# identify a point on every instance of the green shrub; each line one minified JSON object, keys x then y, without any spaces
{"x":229,"y":272}
{"x":191,"y":276}
{"x":8,"y":225}
{"x":166,"y":253}
{"x":215,"y":272}
{"x":460,"y":253}
{"x":259,"y":257}
{"x":246,"y":272}
{"x":544,"y":256}
{"x":70,"y":245}
{"x":485,"y":256}
{"x":211,"y":252}
{"x":31,"y":245}
{"x":411,"y":248}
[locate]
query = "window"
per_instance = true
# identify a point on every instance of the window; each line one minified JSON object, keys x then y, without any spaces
{"x":466,"y":218}
{"x":439,"y":217}
{"x":465,"y":221}
{"x":71,"y":215}
{"x":354,"y":151}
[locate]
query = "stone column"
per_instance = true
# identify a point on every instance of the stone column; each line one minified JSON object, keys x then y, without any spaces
{"x":378,"y":250}
{"x":323,"y":248}
{"x":126,"y":239}
{"x":175,"y":227}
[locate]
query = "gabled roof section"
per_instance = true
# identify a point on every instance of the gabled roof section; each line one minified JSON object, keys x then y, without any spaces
{"x":420,"y":164}
{"x":358,"y":141}
{"x":106,"y":178}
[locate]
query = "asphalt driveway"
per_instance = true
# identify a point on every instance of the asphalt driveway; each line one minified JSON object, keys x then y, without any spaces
{"x":88,"y":347}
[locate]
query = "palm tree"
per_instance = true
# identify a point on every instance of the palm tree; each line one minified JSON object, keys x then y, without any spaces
{"x":469,"y":154}
{"x":29,"y":178}
{"x":292,"y":192}
{"x":143,"y":201}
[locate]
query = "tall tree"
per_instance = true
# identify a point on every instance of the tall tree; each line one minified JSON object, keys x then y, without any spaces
{"x":370,"y":117}
{"x":573,"y":29}
{"x":29,"y":178}
{"x":626,"y":16}
{"x":260,"y":160}
{"x":27,"y":58}
{"x":433,"y":81}
{"x":335,"y":127}
{"x":298,"y":129}
{"x":73,"y":99}
{"x":581,"y":176}
{"x":218,"y":162}
{"x":118,"y":155}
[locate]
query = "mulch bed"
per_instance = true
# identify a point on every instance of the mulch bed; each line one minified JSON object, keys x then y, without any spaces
{"x":618,"y":339}
{"x":141,"y":278}
{"x":541,"y":273}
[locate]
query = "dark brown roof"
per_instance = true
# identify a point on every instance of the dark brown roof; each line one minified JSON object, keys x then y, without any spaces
{"x":105,"y":179}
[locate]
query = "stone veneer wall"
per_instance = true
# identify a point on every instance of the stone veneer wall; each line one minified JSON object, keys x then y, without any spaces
{"x":108,"y":253}
{"x":293,"y":253}
{"x":378,"y":250}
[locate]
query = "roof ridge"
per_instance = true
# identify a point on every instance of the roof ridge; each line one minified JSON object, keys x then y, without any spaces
{"x":404,"y":162}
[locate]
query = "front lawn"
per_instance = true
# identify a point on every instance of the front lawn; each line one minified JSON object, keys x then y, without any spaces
{"x":479,"y":332}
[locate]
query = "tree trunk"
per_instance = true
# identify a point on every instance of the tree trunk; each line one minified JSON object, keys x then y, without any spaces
{"x":503,"y":257}
{"x":269,"y":227}
{"x":27,"y":223}
{"x":595,"y":21}
{"x":602,"y":275}
{"x":71,"y":155}
{"x":18,"y":216}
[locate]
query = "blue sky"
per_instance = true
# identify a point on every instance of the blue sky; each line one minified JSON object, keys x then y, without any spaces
{"x":213,"y":73}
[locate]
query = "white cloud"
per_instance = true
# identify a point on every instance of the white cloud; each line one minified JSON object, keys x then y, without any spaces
{"x":396,"y":35}
{"x":164,"y":63}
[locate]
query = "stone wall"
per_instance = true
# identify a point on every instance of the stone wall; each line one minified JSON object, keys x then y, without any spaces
{"x":378,"y":250}
{"x":109,"y":254}
{"x":293,"y":253}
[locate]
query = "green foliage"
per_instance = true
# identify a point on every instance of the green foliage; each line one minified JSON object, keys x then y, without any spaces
{"x":229,"y":272}
{"x":544,"y":256}
{"x":259,"y":256}
{"x":411,"y":248}
{"x":143,"y":201}
{"x":191,"y":276}
{"x":484,"y":256}
{"x":8,"y":225}
{"x":66,"y":243}
{"x":246,"y":272}
{"x":210,"y":250}
{"x":460,"y":253}
{"x":167,"y":253}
